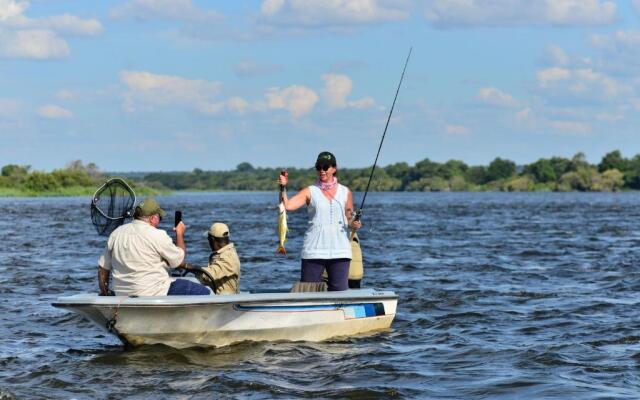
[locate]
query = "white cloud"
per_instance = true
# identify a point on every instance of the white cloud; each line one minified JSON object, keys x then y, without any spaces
{"x":32,"y":44}
{"x":237,"y":105}
{"x":584,"y":83}
{"x":550,"y":75}
{"x":580,"y":12}
{"x":69,"y":24}
{"x":271,"y":7}
{"x":571,"y":127}
{"x":51,"y":111}
{"x":636,"y":4}
{"x":180,"y":10}
{"x":619,"y":41}
{"x":557,"y":56}
{"x":609,"y":117}
{"x":496,"y":97}
{"x":524,"y":117}
{"x":330,"y":13}
{"x":65,"y":94}
{"x":12,"y":16}
{"x":457,"y":130}
{"x":38,"y":38}
{"x":148,"y":90}
{"x":464,"y":13}
{"x":588,"y":79}
{"x":365,"y":102}
{"x":11,"y":9}
{"x":298,"y":100}
{"x":252,"y":68}
{"x":336,"y":89}
{"x":618,"y":52}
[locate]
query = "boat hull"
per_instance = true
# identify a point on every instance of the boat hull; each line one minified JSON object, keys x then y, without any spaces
{"x":186,"y":321}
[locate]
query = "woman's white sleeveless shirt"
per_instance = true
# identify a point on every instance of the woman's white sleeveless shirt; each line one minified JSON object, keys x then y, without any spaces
{"x":328,"y":234}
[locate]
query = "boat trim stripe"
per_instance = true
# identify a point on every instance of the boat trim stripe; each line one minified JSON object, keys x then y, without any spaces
{"x":356,"y":310}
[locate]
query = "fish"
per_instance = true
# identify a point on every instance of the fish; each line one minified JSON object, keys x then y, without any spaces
{"x":282,"y":229}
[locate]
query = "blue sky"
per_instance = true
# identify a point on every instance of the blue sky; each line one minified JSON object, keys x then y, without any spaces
{"x":164,"y":85}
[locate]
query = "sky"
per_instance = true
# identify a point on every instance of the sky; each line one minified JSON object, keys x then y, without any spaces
{"x":173,"y":85}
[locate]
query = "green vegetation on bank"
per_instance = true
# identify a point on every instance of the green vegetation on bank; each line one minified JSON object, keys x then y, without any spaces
{"x":76,"y":179}
{"x":613,"y":173}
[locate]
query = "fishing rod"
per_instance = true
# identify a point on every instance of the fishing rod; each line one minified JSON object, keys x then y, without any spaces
{"x":359,"y":211}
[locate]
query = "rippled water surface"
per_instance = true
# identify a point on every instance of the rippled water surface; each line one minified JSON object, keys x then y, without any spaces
{"x":501,"y":296}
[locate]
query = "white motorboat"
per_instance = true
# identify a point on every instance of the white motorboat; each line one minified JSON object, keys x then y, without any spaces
{"x":186,"y":321}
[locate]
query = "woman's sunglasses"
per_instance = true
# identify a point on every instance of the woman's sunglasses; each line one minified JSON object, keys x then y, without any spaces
{"x":324,"y":167}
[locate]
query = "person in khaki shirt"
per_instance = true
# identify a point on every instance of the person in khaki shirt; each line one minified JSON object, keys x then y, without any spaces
{"x":224,"y":264}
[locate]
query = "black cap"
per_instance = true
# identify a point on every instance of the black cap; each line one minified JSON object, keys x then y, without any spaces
{"x":326,"y":158}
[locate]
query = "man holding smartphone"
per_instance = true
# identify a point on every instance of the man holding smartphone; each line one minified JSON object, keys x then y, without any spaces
{"x":138,"y":256}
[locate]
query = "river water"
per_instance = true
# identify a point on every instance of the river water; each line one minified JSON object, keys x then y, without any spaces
{"x":501,"y":296}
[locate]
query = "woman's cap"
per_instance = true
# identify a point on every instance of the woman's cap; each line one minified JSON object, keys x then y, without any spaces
{"x":326,"y":158}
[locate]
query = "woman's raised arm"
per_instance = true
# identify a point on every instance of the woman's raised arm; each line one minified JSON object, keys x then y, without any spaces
{"x":300,"y":199}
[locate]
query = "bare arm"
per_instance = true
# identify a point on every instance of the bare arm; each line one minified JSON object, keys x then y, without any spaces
{"x":349,"y":214}
{"x":103,"y":281}
{"x":300,"y":199}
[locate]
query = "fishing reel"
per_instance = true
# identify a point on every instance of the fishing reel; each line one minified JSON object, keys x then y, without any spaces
{"x":357,"y":215}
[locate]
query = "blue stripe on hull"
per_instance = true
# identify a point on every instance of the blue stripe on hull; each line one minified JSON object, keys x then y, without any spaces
{"x":363,"y":310}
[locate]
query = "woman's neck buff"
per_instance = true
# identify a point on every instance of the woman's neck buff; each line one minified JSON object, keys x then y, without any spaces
{"x":327,"y":185}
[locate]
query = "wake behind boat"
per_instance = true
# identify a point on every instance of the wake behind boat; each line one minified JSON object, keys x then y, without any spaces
{"x":187,"y":321}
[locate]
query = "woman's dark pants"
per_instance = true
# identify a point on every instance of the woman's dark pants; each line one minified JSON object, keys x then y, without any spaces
{"x":337,"y":269}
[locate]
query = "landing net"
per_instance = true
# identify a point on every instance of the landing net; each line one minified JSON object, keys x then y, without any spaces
{"x":111,"y":204}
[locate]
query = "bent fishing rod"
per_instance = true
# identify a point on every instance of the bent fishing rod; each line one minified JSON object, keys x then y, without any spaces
{"x":359,"y":211}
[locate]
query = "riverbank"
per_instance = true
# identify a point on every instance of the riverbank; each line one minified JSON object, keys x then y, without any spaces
{"x":556,"y":174}
{"x":72,"y":191}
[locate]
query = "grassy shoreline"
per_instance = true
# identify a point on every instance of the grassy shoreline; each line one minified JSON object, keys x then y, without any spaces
{"x":72,"y":191}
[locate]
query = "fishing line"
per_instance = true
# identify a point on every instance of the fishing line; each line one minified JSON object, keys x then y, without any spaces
{"x":359,"y":211}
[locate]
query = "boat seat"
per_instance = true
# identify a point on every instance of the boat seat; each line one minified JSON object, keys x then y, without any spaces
{"x":301,"y":287}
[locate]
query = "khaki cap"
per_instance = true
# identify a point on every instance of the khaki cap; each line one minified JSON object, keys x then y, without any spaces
{"x":149,"y":206}
{"x":218,"y":230}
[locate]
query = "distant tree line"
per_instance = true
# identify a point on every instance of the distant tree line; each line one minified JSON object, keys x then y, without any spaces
{"x":76,"y":178}
{"x":613,"y":173}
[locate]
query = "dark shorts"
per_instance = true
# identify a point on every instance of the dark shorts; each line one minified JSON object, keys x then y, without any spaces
{"x":184,"y":287}
{"x":338,"y":270}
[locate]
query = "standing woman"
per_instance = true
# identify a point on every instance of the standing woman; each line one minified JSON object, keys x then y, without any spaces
{"x":330,"y":208}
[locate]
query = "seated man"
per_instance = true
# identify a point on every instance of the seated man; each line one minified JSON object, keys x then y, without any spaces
{"x":138,"y":255}
{"x":224,"y":264}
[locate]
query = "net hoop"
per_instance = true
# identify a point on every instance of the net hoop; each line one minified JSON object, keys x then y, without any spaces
{"x":111,"y":205}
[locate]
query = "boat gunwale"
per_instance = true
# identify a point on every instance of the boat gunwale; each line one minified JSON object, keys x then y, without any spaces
{"x":190,"y":301}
